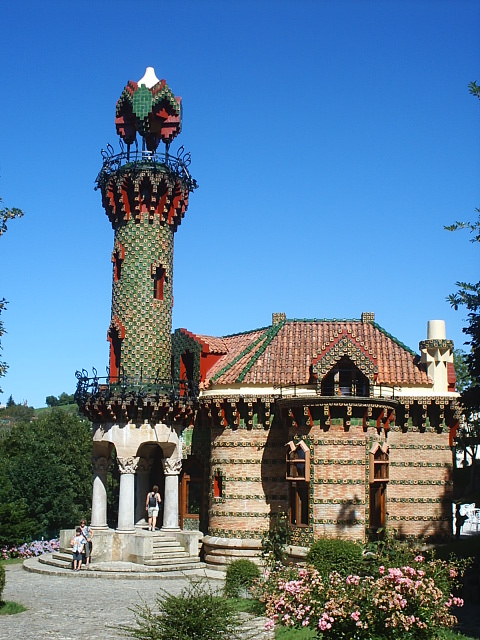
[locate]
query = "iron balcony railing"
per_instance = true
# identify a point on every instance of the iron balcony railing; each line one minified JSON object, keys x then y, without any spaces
{"x":137,"y":159}
{"x":138,"y":387}
{"x":380,"y":391}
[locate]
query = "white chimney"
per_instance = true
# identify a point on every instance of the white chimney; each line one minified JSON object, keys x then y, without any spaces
{"x":436,"y":352}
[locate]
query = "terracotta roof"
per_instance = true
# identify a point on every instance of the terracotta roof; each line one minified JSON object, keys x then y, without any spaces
{"x":215,"y":345}
{"x":282,"y":354}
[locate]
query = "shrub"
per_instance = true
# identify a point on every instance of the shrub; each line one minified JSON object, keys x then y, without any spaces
{"x":275,"y":539}
{"x":408,"y":602}
{"x":2,"y":581}
{"x":29,"y":550}
{"x":197,"y":612}
{"x":330,"y":554}
{"x":241,"y":576}
{"x":392,"y":551}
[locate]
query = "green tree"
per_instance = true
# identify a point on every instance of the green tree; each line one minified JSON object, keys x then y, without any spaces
{"x":462,"y":372}
{"x":467,"y":296}
{"x":66,"y":398}
{"x":46,"y":466}
{"x":5,"y":215}
{"x":51,"y":401}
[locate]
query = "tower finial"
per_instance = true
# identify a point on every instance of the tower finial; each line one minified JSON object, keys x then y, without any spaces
{"x":149,"y":78}
{"x":150,"y":108}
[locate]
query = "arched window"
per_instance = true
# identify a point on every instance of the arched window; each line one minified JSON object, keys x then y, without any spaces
{"x":345,"y":379}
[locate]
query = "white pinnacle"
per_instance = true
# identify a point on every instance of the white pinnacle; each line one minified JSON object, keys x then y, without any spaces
{"x":149,"y":79}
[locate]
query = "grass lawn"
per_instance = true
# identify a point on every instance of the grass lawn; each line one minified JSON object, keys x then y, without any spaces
{"x":9,"y":608}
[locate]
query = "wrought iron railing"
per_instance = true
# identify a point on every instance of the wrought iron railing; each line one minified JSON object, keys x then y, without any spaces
{"x":137,"y":159}
{"x":132,"y":387}
{"x":377,"y":391}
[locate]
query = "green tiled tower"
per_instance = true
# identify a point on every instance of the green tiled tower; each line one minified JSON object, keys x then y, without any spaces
{"x":145,"y":195}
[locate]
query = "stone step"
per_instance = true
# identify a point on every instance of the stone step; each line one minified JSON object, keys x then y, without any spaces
{"x":185,"y":560}
{"x":54,"y":561}
{"x":167,"y":557}
{"x":120,"y":569}
{"x":161,"y":544}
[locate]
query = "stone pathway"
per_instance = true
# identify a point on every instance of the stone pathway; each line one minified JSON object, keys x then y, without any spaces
{"x":68,"y":606}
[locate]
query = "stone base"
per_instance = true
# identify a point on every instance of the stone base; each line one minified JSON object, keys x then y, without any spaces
{"x":110,"y":545}
{"x":220,"y":552}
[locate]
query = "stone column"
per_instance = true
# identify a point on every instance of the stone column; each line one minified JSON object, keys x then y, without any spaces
{"x":126,"y":500}
{"x":142,"y":488}
{"x":100,"y":466}
{"x":171,"y":469}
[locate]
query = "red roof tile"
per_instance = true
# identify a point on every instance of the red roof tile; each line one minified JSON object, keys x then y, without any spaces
{"x":282,"y":354}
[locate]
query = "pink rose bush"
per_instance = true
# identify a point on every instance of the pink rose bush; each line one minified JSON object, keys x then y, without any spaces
{"x":397,"y":602}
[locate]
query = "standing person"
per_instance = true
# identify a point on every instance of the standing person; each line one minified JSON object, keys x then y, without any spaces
{"x":87,"y":534}
{"x":152,"y":506}
{"x":78,"y":545}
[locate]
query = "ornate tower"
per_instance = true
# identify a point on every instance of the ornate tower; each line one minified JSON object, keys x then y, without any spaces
{"x":145,"y":196}
{"x":139,"y":411}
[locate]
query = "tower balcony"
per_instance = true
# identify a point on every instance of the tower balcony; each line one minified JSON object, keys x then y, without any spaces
{"x":134,"y":398}
{"x":136,"y":161}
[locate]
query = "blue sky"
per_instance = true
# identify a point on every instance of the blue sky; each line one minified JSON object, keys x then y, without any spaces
{"x":332,"y":141}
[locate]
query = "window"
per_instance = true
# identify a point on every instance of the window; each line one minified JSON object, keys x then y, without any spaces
{"x":158,"y":275}
{"x":218,"y":485}
{"x":298,"y":476}
{"x":345,"y":379}
{"x":115,"y":352}
{"x":299,"y":503}
{"x":298,"y":461}
{"x":379,"y":463}
{"x":378,"y":475}
{"x":118,"y":256}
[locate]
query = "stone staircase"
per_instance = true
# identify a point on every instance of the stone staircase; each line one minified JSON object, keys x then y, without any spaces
{"x":168,"y":556}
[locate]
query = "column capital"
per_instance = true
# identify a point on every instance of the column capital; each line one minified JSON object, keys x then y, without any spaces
{"x":171,"y":467}
{"x":127,"y":465}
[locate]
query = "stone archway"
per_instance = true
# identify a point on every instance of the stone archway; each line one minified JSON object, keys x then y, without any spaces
{"x":140,"y":449}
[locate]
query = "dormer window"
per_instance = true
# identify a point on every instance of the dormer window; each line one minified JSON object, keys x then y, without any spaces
{"x":345,"y":379}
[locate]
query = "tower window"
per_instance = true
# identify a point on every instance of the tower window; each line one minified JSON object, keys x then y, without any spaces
{"x":117,"y":267}
{"x":158,"y":275}
{"x":118,"y":257}
{"x":218,"y":485}
{"x":115,"y":352}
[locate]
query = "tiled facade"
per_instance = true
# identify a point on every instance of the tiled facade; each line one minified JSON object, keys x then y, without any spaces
{"x":333,"y":422}
{"x":265,"y":388}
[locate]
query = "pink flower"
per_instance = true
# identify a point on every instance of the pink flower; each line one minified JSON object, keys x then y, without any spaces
{"x":419,"y":558}
{"x":356,"y":616}
{"x":381,"y":570}
{"x":269,"y":625}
